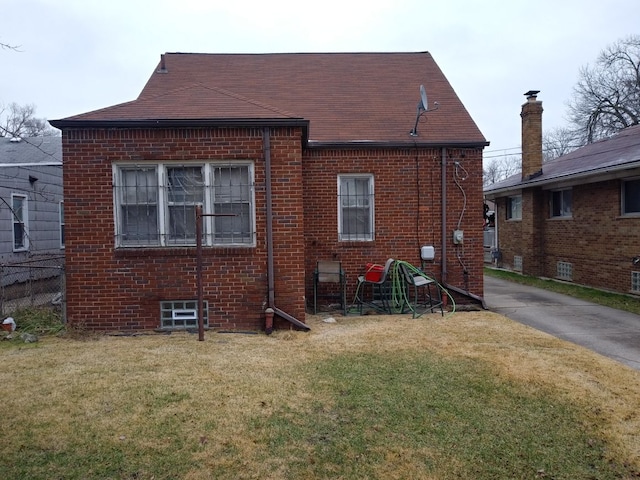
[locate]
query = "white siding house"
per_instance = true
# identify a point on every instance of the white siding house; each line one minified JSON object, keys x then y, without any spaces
{"x":31,"y":204}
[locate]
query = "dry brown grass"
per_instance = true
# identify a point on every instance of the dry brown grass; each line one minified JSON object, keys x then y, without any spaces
{"x":110,"y":383}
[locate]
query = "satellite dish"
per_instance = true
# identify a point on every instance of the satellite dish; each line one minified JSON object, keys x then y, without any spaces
{"x":424,"y":104}
{"x":423,"y":107}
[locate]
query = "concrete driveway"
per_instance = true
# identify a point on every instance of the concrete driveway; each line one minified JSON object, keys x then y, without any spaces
{"x":610,"y":332}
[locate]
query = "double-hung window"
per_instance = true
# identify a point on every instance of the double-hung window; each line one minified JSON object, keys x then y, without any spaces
{"x":355,"y":208}
{"x":137,"y":192}
{"x":185,"y":190}
{"x":561,"y":201}
{"x":20,"y":221}
{"x":156,"y":204}
{"x":514,"y":207}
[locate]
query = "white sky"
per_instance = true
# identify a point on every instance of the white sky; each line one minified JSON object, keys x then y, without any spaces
{"x":79,"y":55}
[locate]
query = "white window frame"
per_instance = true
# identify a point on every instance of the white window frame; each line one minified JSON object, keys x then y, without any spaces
{"x":367,"y":201}
{"x":20,"y":216}
{"x":61,"y":220}
{"x":623,"y":196}
{"x":163,"y":204}
{"x":563,"y":211}
{"x":514,"y":207}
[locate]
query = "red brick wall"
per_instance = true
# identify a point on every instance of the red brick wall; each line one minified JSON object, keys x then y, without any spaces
{"x":596,"y":240}
{"x":408,"y":193}
{"x":111,"y":288}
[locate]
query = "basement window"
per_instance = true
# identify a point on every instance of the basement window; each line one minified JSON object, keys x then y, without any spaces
{"x":517,"y":263}
{"x":564,"y":271}
{"x":635,"y":282}
{"x":182,"y":314}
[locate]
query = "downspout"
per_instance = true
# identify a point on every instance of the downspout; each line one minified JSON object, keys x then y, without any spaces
{"x":443,"y":175}
{"x":444,"y":282}
{"x":272,"y":309}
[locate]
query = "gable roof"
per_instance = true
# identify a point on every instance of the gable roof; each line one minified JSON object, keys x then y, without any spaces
{"x":340,"y":97}
{"x":30,"y":151}
{"x":616,"y":156}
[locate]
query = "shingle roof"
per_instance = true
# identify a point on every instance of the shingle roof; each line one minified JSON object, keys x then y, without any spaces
{"x":31,"y":150}
{"x":613,"y":155}
{"x":345,"y":97}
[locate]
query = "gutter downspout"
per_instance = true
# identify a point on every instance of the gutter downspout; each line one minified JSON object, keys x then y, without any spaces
{"x":443,"y":175}
{"x":444,"y":282}
{"x":266,"y":145}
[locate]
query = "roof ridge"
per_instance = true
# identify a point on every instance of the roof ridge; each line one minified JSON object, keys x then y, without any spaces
{"x":222,"y":91}
{"x":251,"y":101}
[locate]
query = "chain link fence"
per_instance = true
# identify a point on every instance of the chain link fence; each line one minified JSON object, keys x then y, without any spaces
{"x":34,"y":283}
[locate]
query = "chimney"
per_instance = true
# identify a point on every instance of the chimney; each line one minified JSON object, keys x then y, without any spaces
{"x":531,"y":136}
{"x":163,"y":66}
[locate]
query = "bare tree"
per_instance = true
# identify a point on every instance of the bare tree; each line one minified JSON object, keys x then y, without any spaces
{"x":6,"y":46}
{"x":20,"y":121}
{"x":500,"y":168}
{"x":606,"y":98}
{"x":559,"y":141}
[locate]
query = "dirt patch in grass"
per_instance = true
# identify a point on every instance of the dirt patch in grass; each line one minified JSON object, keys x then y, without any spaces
{"x":168,"y":406}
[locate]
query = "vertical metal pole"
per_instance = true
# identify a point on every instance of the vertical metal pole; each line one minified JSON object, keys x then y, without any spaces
{"x":443,"y":180}
{"x":199,"y":272}
{"x":266,"y":142}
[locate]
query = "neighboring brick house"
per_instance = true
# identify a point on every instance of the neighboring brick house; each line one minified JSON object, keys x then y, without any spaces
{"x":574,"y":218}
{"x":314,"y":154}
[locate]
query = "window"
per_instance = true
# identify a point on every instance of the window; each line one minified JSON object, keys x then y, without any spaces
{"x":561,"y":203}
{"x":61,"y":216}
{"x":635,"y":282}
{"x":137,"y":198}
{"x":182,"y":314}
{"x":20,"y":215}
{"x":355,"y":207}
{"x":155,"y":204}
{"x":514,"y":207}
{"x":517,"y":263}
{"x":185,"y":190}
{"x":564,"y":271}
{"x":631,"y":197}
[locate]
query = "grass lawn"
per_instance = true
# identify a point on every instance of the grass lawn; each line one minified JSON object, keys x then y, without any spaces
{"x":472,"y":395}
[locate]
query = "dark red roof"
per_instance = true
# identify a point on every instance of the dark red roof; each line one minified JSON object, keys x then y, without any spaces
{"x":345,"y":97}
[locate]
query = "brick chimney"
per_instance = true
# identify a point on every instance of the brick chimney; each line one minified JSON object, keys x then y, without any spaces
{"x":531,"y":136}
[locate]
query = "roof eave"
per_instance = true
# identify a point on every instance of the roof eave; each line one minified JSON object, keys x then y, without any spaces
{"x":393,"y":144}
{"x":596,"y":175}
{"x":184,"y":123}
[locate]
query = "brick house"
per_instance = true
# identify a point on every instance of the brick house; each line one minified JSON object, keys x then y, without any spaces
{"x":312,"y":156}
{"x":575,"y":218}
